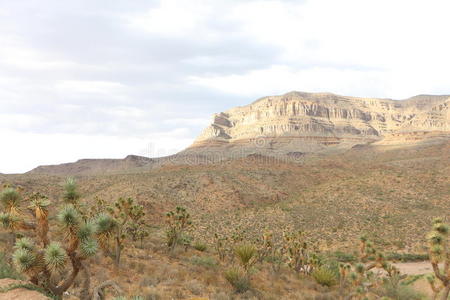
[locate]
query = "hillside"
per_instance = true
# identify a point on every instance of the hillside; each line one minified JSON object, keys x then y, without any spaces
{"x":95,"y":166}
{"x":390,"y":192}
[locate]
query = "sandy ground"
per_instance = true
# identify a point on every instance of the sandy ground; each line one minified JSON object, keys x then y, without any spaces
{"x":415,"y":268}
{"x":19,"y":293}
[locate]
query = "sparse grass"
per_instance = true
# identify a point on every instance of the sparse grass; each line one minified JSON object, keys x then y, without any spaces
{"x":204,"y":261}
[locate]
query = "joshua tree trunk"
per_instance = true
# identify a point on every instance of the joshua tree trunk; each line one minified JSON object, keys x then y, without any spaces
{"x":445,"y":292}
{"x":118,"y":251}
{"x":85,"y":293}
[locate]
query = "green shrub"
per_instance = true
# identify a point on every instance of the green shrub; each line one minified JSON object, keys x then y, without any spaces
{"x":204,"y":261}
{"x":405,"y":257}
{"x":343,"y":257}
{"x":238,"y":279}
{"x":200,"y":246}
{"x":399,"y":292}
{"x":6,"y":270}
{"x":324,"y":276}
{"x":246,"y":254}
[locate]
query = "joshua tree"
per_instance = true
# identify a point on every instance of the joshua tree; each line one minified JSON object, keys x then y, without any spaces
{"x":39,"y":257}
{"x":298,"y":253}
{"x":440,"y":253}
{"x":10,"y":200}
{"x":122,"y":219}
{"x":137,"y":228}
{"x":178,"y":221}
{"x":361,"y":276}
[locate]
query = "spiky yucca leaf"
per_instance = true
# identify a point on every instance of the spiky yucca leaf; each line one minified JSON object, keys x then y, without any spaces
{"x":71,"y":195}
{"x":245,"y":253}
{"x":442,"y":228}
{"x":55,"y":256}
{"x":105,"y":224}
{"x":68,"y":216}
{"x":437,"y":250}
{"x":360,"y":268}
{"x":88,"y":247}
{"x":435,"y":238}
{"x":9,"y":221}
{"x":24,"y":243}
{"x":324,"y":276}
{"x":24,"y":259}
{"x":10,"y":198}
{"x":40,"y":204}
{"x":86,"y":231}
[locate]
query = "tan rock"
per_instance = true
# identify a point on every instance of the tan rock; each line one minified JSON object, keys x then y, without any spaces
{"x":321,"y":122}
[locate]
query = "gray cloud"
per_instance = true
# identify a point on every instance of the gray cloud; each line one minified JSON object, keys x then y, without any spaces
{"x":148,"y":68}
{"x":91,"y":41}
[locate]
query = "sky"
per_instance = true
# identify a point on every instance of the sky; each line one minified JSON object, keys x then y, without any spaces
{"x":106,"y":78}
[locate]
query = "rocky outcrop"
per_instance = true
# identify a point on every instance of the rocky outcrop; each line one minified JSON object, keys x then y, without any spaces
{"x":321,"y":122}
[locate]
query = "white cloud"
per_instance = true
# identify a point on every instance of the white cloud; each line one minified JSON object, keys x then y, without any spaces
{"x":187,"y":121}
{"x":94,"y":87}
{"x":171,"y":18}
{"x":281,"y":79}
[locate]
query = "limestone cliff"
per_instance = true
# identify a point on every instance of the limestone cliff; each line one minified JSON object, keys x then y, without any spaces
{"x":309,"y":122}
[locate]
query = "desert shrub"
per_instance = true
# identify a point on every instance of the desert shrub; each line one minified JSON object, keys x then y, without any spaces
{"x":200,"y":246}
{"x":246,"y":254}
{"x":6,"y":270}
{"x":393,"y":289}
{"x":238,"y":279}
{"x":343,"y":257}
{"x":204,"y":261}
{"x":405,"y":257}
{"x":324,"y":276}
{"x":332,"y":265}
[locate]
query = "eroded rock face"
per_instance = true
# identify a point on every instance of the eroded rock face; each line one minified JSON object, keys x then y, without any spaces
{"x":308,"y":122}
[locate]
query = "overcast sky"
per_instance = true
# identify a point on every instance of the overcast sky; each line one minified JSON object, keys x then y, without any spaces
{"x":105,"y":78}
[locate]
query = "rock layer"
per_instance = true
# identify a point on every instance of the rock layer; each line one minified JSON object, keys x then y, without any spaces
{"x":320,"y":122}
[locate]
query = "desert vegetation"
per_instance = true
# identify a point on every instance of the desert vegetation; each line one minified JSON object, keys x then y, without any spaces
{"x":55,"y":256}
{"x":241,"y":231}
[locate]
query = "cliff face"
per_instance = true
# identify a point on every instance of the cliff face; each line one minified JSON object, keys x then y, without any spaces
{"x":318,"y":122}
